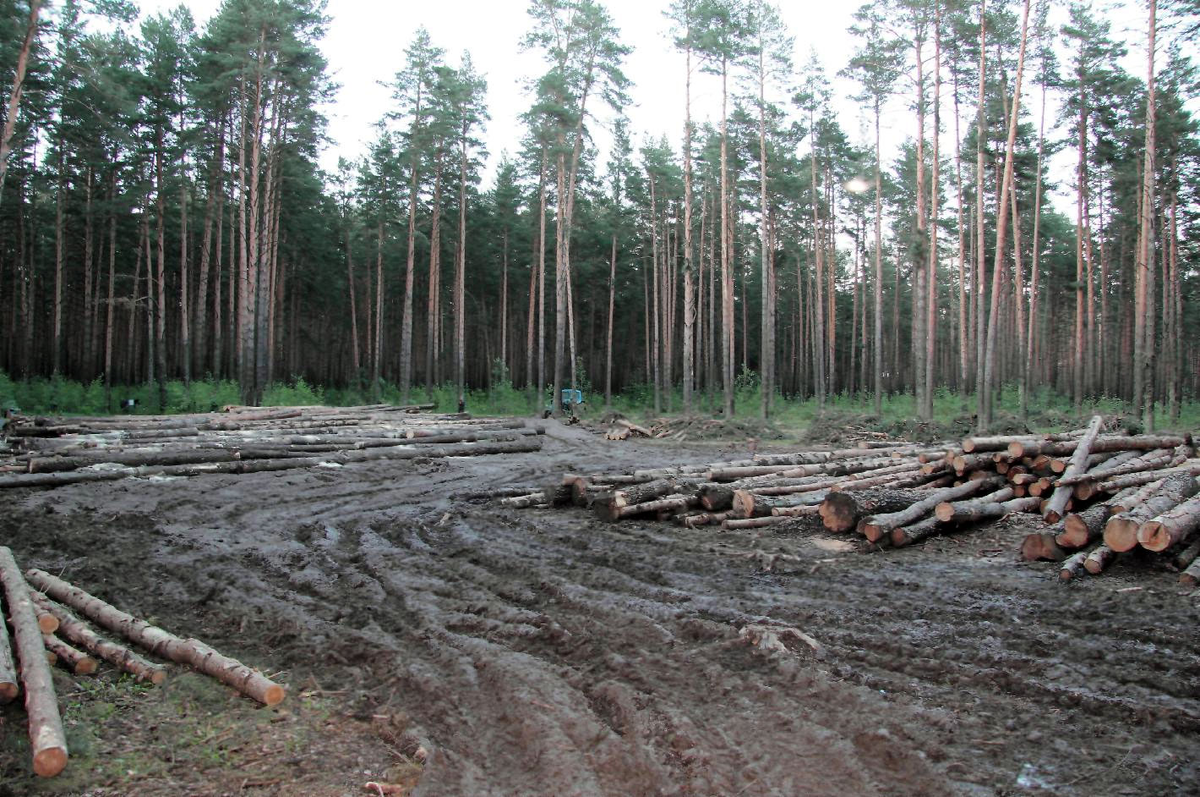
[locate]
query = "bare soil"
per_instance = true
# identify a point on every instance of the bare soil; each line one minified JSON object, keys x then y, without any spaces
{"x":442,"y":640}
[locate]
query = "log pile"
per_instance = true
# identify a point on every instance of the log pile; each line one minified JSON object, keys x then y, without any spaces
{"x":1098,"y":494}
{"x":47,"y":632}
{"x":42,"y":452}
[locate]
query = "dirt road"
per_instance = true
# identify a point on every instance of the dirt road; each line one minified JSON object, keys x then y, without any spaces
{"x":543,"y":652}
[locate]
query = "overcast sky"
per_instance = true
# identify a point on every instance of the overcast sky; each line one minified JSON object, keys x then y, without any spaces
{"x":367,"y":38}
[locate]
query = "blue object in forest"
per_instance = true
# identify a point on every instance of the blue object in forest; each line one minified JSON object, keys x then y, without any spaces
{"x":570,"y":398}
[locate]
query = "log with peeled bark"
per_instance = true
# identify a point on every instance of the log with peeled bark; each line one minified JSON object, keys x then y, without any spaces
{"x":46,"y":737}
{"x":794,"y":511}
{"x":79,"y":662}
{"x":875,"y":527}
{"x":121,"y":657}
{"x":46,"y":621}
{"x":1121,"y":531}
{"x":9,"y":688}
{"x":161,"y":643}
{"x":1056,"y":507}
{"x":1170,"y":527}
{"x":1099,"y":559}
{"x":1073,"y":567}
{"x":841,"y":510}
{"x":1041,"y":546}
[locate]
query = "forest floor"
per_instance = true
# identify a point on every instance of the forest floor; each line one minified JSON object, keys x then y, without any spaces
{"x":470,"y":649}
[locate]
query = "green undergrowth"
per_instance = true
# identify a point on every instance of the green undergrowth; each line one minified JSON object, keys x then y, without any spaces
{"x":801,"y":418}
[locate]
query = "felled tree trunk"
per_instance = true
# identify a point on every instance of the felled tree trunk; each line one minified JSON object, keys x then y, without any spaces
{"x":841,"y":511}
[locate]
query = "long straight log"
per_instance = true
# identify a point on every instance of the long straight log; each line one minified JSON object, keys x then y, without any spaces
{"x":1107,"y":443}
{"x":1190,"y":468}
{"x":1056,"y":507}
{"x":1133,"y":496}
{"x":9,"y":688}
{"x":161,"y":643}
{"x":1121,"y":531}
{"x":985,"y":508}
{"x":119,"y":656}
{"x":747,"y":504}
{"x":46,"y":737}
{"x":1125,"y":462}
{"x":1187,"y":556}
{"x":874,"y":528}
{"x":671,"y":503}
{"x":909,"y":535}
{"x":1170,"y":527}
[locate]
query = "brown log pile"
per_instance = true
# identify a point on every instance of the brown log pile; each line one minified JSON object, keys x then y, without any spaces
{"x":49,"y":452}
{"x":1071,"y":484}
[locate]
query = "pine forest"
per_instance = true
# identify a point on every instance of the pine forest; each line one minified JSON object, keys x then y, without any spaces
{"x":165,"y":217}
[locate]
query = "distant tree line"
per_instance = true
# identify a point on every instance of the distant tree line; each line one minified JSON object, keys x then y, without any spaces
{"x":163,"y":215}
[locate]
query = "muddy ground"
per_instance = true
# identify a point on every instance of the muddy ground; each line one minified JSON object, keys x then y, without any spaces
{"x":474,"y":650}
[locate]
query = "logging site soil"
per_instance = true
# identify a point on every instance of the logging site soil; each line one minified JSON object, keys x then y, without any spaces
{"x":432,"y":638}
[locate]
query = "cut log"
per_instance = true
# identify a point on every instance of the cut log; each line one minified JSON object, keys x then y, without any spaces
{"x":748,"y":505}
{"x":1081,"y":528}
{"x":1191,"y":575}
{"x":1107,"y":443}
{"x":1132,"y":497}
{"x":841,"y":510}
{"x":753,"y":523}
{"x":1041,"y":546}
{"x":1121,"y":531}
{"x":876,"y":527}
{"x":671,"y":503}
{"x":1190,"y":468}
{"x":1170,"y":527}
{"x":704,"y":519}
{"x":966,"y":511}
{"x":9,"y":688}
{"x":908,"y":535}
{"x":1087,"y":485}
{"x":1056,"y":507}
{"x":161,"y":643}
{"x":119,"y":656}
{"x":1073,"y":566}
{"x":1187,"y":556}
{"x":79,"y":662}
{"x":716,"y":497}
{"x":46,"y":737}
{"x":524,"y":501}
{"x":794,"y":511}
{"x":1099,"y":559}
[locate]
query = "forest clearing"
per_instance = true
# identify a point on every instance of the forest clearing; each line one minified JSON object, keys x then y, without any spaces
{"x":599,"y":397}
{"x":443,"y":628}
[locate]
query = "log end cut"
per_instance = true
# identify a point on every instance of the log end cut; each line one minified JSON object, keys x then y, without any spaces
{"x":8,"y":692}
{"x":1120,"y":533}
{"x":50,"y":761}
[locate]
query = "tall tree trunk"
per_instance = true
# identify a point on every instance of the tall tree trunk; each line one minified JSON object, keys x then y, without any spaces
{"x":110,"y":303}
{"x":819,"y":336}
{"x":689,"y":299}
{"x":726,"y":246}
{"x":433,"y":313}
{"x":608,"y":345}
{"x":1027,"y":362}
{"x":920,"y":270}
{"x":1143,"y":336}
{"x":985,"y":419}
{"x":935,"y":205}
{"x":18,"y":86}
{"x":460,"y":272}
{"x":355,"y":359}
{"x":878,"y":266}
{"x":980,"y":272}
{"x":185,"y":347}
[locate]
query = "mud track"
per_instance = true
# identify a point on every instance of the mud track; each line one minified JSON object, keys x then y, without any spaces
{"x":543,"y":652}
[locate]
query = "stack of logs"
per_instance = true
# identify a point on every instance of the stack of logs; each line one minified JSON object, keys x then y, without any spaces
{"x":46,"y":632}
{"x":1099,"y":494}
{"x":56,"y":451}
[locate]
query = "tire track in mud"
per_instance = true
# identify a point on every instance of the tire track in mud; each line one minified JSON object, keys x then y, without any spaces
{"x":548,"y":653}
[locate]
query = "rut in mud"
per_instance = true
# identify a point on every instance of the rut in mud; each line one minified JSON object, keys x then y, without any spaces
{"x":545,"y":652}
